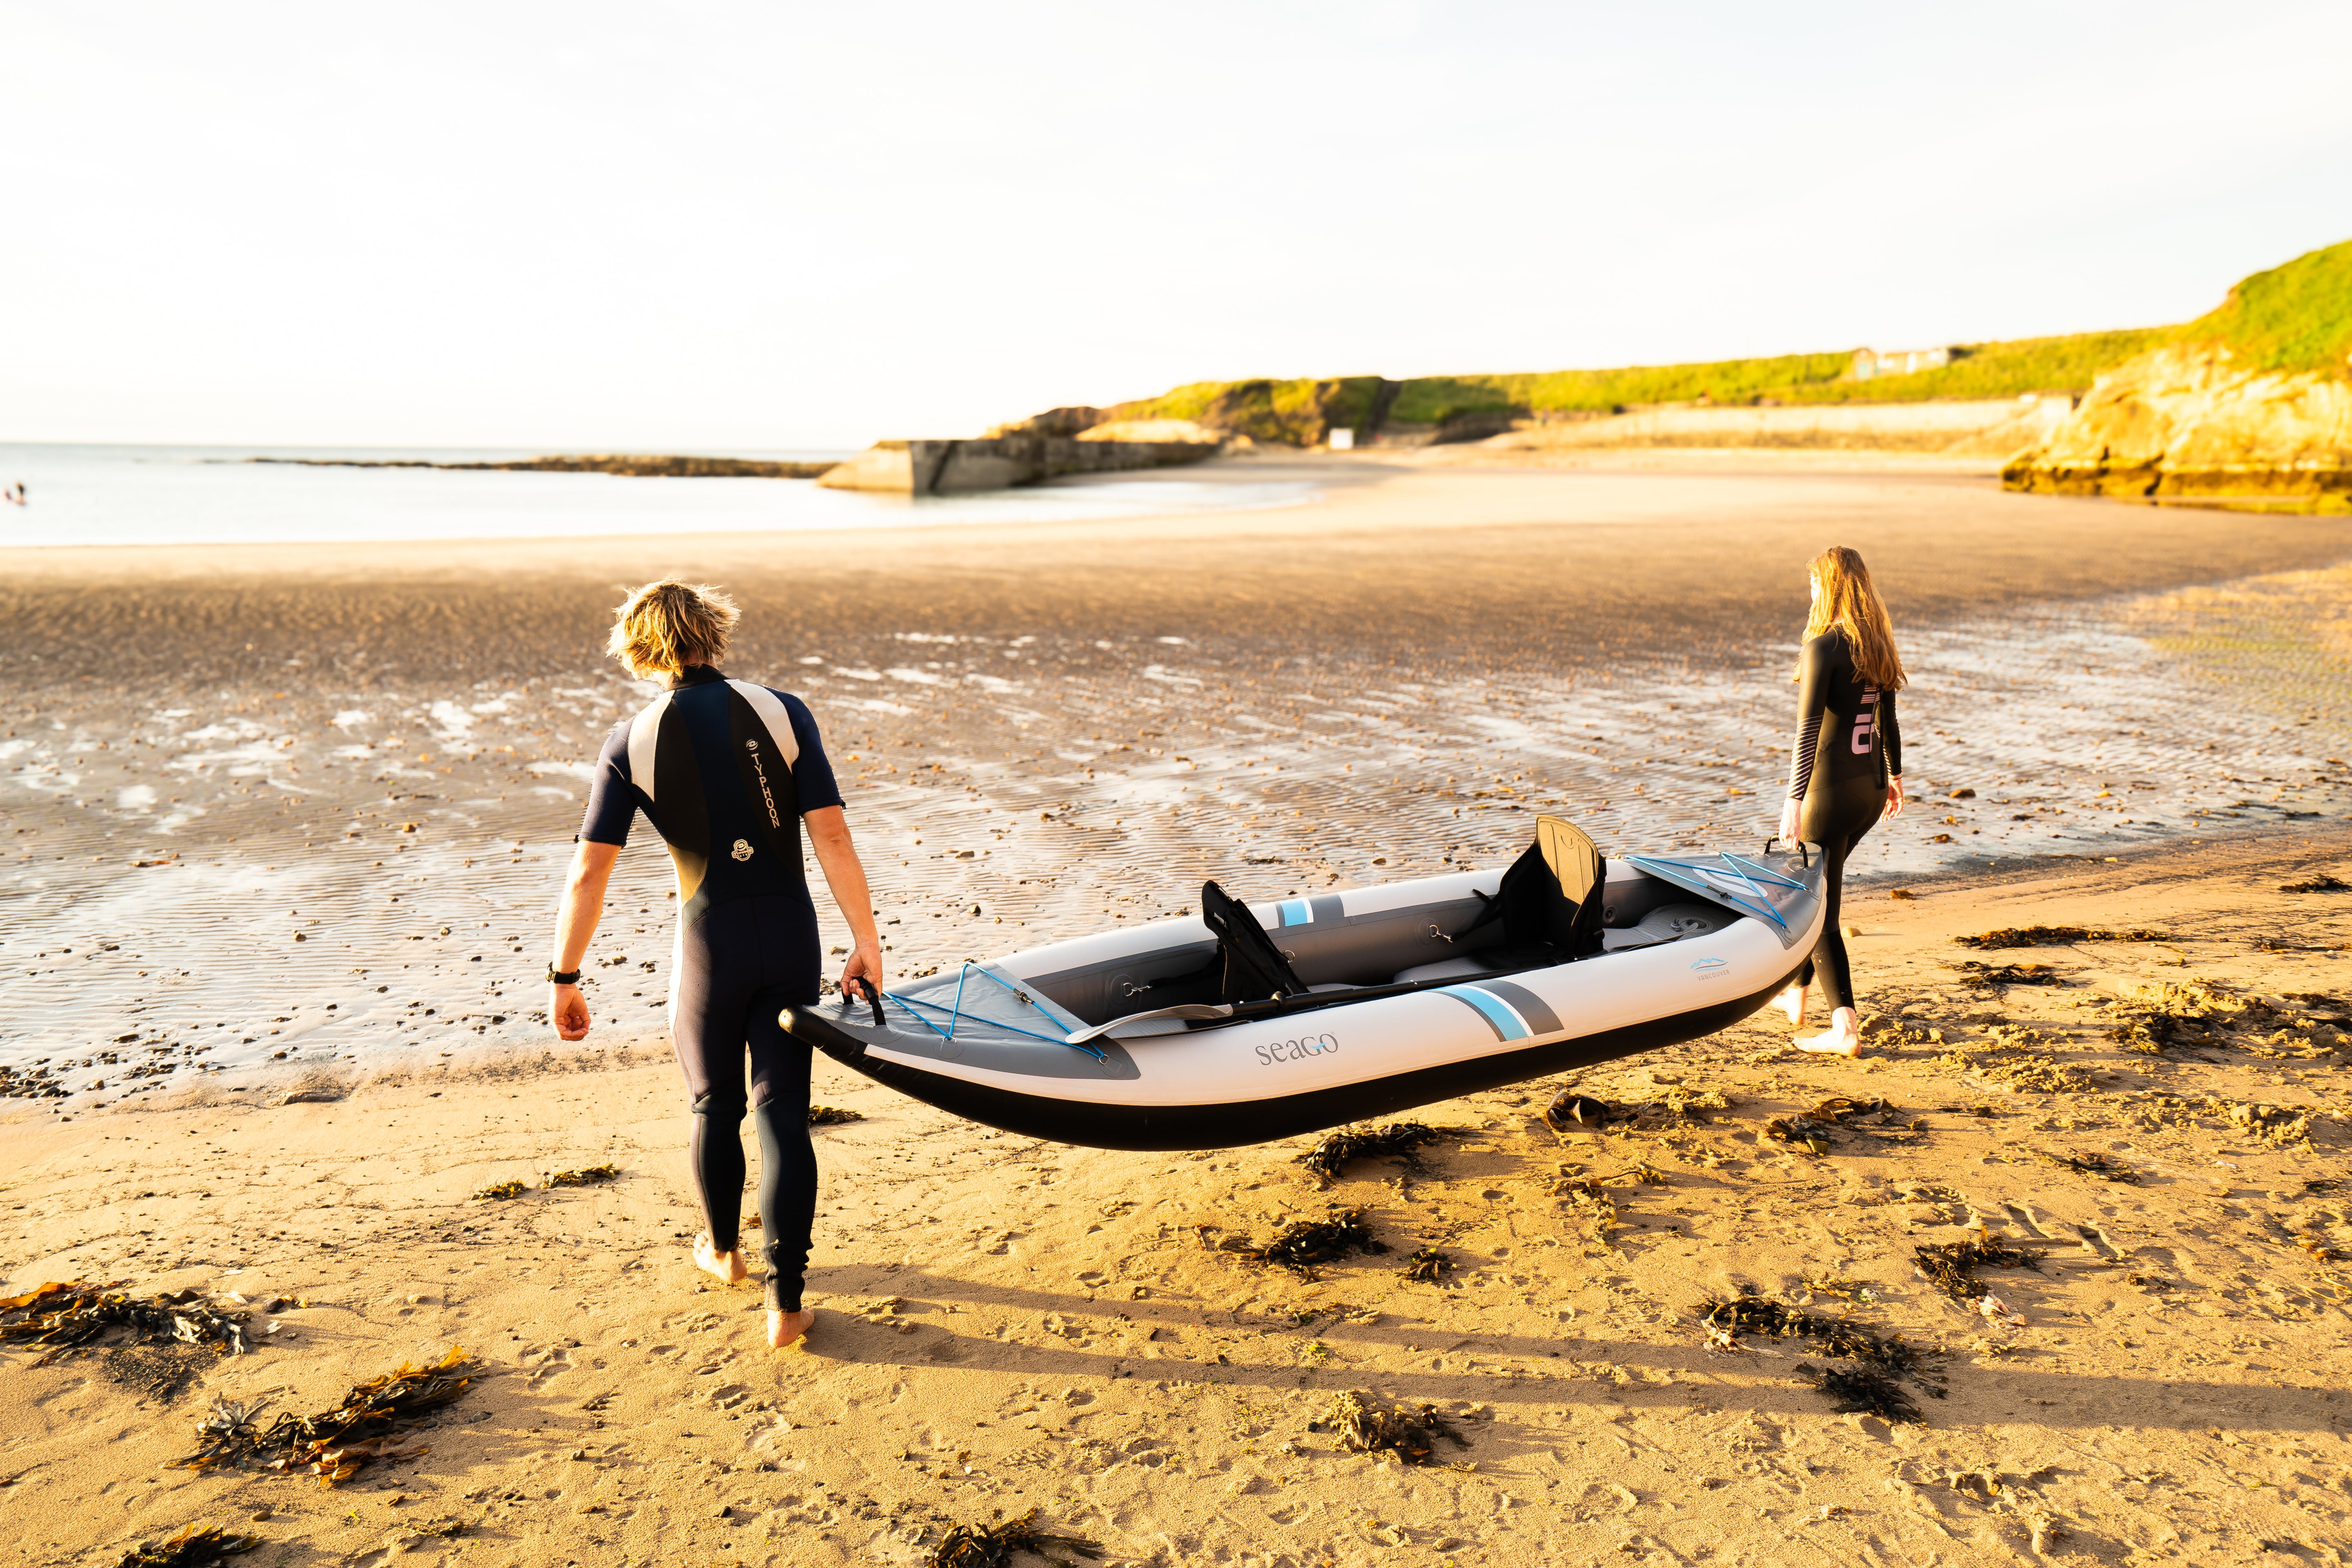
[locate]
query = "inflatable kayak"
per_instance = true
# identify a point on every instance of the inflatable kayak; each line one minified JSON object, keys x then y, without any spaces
{"x":1257,"y":1022}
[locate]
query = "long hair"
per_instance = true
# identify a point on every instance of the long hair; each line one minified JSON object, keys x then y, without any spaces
{"x":1850,"y":605}
{"x":664,"y":626}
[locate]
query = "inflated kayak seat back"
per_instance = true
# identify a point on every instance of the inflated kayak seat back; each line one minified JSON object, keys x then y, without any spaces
{"x":1552,"y":897}
{"x":1254,"y":968}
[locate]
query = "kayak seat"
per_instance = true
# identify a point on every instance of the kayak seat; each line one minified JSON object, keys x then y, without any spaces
{"x":1251,"y":968}
{"x":1551,"y":900}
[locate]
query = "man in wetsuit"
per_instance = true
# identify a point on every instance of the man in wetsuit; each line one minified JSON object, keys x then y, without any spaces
{"x":727,"y":771}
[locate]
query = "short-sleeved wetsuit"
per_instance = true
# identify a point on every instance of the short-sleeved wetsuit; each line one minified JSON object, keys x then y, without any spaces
{"x":1848,"y":745}
{"x":724,"y":770}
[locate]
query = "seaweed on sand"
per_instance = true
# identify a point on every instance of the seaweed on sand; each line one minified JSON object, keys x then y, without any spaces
{"x":2001,"y":976}
{"x":1303,"y":1243}
{"x":193,"y":1547}
{"x":372,"y":1422}
{"x":1411,"y":1432}
{"x":1333,"y":1152}
{"x":503,"y":1190}
{"x":2051,"y":936}
{"x":992,"y":1545}
{"x":1950,"y":1267}
{"x":831,"y":1115}
{"x":1862,"y":1390}
{"x":1869,"y":1386}
{"x":2325,"y":882}
{"x":1426,"y":1266}
{"x":582,"y":1178}
{"x":60,"y":1316}
{"x":2095,"y":1164}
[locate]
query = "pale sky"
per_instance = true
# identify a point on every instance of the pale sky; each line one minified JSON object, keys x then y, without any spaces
{"x":726,"y":226}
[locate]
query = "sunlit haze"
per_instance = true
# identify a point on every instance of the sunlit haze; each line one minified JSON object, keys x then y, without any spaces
{"x":732,"y":227}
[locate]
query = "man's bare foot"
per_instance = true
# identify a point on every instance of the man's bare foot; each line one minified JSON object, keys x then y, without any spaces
{"x":1793,"y":1002}
{"x":784,"y":1328}
{"x":727,"y":1267}
{"x":1842,"y":1038}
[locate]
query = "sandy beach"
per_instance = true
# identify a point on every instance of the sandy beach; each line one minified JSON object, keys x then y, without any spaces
{"x":294,"y":820}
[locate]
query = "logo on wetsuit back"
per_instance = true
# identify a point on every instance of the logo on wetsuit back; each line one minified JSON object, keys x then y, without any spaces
{"x":742,"y":850}
{"x":1298,"y":1049}
{"x":1866,"y":721}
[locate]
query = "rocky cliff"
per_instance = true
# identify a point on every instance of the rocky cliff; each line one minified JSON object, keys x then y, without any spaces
{"x":2253,"y":403}
{"x":2195,"y":423}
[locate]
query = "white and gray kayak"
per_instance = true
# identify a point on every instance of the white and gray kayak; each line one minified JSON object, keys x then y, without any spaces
{"x":1405,"y":1004}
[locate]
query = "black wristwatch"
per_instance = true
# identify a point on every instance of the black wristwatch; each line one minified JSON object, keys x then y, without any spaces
{"x":568,"y":978}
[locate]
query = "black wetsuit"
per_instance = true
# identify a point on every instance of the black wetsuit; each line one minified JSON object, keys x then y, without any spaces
{"x":724,"y":769}
{"x":1848,"y":745}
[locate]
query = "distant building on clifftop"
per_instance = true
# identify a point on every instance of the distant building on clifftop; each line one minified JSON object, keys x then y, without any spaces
{"x":1869,"y":364}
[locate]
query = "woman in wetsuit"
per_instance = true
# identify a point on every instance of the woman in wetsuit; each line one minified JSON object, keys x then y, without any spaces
{"x":727,"y":771}
{"x":1847,"y":768}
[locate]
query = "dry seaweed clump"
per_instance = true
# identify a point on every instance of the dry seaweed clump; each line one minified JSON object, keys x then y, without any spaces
{"x":992,"y":1545}
{"x":194,"y":1547}
{"x":503,"y":1190}
{"x":1871,"y":1385}
{"x":1302,"y":1243}
{"x":2325,"y":882}
{"x":2051,"y":936}
{"x":373,"y":1422}
{"x":1411,"y":1432}
{"x":2029,"y":1070}
{"x":2001,"y":976}
{"x":1679,"y":1106}
{"x":1333,"y":1150}
{"x":1823,"y":1126}
{"x":832,"y":1116}
{"x":61,"y":1316}
{"x":2095,"y":1164}
{"x":582,"y":1178}
{"x":1951,"y":1266}
{"x":1427,"y":1267}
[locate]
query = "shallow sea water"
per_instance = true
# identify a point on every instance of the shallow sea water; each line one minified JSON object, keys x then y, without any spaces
{"x":346,"y":882}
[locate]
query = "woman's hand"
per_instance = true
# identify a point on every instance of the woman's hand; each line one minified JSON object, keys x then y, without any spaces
{"x":863,"y":966}
{"x":1894,"y":798}
{"x":569,"y":1010}
{"x":1789,"y":821}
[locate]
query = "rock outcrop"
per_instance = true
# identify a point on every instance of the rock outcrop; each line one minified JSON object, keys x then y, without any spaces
{"x":995,"y":463}
{"x":2192,"y":422}
{"x":2250,"y":403}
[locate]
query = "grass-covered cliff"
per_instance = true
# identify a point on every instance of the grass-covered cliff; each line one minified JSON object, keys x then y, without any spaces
{"x":2296,"y":317}
{"x":2251,"y":403}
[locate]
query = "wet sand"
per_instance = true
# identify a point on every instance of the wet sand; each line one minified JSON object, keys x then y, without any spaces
{"x":351,"y":774}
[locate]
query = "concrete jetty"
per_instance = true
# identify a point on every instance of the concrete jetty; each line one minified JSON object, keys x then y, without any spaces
{"x":999,"y":462}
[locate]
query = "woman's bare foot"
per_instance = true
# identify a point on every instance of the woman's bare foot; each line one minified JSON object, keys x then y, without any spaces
{"x":784,"y":1328}
{"x":727,"y":1267}
{"x":1793,"y":1002}
{"x":1842,"y":1038}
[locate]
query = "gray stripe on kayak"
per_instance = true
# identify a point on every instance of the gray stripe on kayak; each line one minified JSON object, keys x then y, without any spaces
{"x":1532,"y":1007}
{"x":1326,"y":908}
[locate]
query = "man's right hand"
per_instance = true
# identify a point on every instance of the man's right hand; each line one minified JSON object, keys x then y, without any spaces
{"x":568,"y":1011}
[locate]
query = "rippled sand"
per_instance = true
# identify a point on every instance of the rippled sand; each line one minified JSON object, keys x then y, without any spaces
{"x":303,"y":808}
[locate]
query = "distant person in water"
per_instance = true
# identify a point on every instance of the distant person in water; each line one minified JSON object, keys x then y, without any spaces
{"x":1847,"y":768}
{"x":727,"y":771}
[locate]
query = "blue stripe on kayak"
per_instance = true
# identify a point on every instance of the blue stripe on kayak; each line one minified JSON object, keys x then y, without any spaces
{"x":1506,"y":1023}
{"x":1296,"y":912}
{"x":1540,"y":1018}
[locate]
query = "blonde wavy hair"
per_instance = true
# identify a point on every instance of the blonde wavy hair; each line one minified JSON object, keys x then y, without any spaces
{"x":1849,"y":603}
{"x":664,"y":626}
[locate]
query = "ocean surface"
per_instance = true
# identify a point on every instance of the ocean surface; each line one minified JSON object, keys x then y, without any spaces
{"x":82,"y":495}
